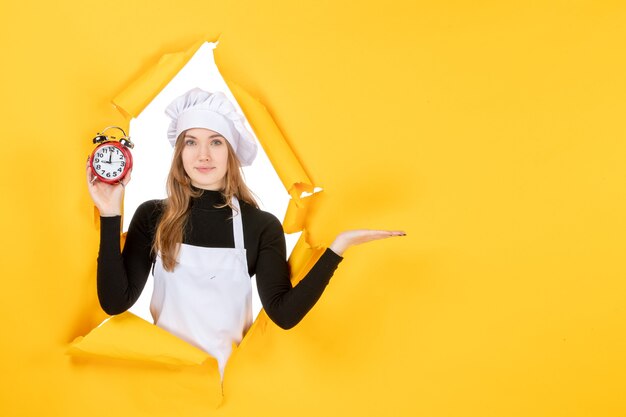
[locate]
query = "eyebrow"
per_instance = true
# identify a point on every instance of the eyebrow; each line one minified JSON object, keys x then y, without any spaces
{"x":217,"y":135}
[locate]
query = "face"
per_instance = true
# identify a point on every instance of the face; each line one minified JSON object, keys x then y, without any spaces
{"x":205,"y":158}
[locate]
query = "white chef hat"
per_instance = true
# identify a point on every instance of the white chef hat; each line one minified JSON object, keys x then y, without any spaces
{"x":199,"y":108}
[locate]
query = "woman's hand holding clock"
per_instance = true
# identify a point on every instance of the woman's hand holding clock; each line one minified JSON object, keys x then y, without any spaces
{"x":106,"y":197}
{"x":108,"y":171}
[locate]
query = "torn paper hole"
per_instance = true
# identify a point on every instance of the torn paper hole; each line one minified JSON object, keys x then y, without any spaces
{"x":133,"y":102}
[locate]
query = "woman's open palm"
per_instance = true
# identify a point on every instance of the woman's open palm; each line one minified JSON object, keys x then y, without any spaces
{"x":355,"y":237}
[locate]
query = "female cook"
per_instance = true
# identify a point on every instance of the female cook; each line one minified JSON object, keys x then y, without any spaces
{"x":207,"y":238}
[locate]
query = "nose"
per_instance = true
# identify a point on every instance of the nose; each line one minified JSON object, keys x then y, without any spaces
{"x":204,"y":152}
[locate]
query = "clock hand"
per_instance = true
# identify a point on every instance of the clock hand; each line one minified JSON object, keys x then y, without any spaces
{"x":110,"y":156}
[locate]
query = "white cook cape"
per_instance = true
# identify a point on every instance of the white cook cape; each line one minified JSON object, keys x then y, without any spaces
{"x":207,"y":299}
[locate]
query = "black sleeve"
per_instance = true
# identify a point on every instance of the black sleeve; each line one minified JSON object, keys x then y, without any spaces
{"x":123,"y":274}
{"x":284,"y":304}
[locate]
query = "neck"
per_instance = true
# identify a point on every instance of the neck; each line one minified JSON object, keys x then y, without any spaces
{"x":208,"y":199}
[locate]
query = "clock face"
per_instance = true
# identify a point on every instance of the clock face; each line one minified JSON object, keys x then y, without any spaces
{"x":109,"y":162}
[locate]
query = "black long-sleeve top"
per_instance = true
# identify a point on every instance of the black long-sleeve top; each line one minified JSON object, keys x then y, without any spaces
{"x":122,"y":274}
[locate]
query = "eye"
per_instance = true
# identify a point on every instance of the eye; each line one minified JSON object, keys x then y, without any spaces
{"x":190,"y":142}
{"x":216,"y":142}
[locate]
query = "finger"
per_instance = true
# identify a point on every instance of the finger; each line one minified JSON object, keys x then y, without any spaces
{"x":392,"y":232}
{"x":383,"y":233}
{"x":126,"y":179}
{"x":90,"y":176}
{"x":379,"y":234}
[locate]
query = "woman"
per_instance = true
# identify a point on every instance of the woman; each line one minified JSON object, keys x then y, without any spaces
{"x":207,"y":239}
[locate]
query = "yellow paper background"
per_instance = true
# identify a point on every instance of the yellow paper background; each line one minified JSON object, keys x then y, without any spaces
{"x":491,"y":132}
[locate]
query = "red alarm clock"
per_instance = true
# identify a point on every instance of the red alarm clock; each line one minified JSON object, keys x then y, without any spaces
{"x":111,"y":160}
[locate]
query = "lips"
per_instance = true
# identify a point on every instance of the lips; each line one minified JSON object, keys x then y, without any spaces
{"x":204,"y":170}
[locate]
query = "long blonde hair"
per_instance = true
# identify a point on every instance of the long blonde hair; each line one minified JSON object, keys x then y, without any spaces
{"x":169,"y":232}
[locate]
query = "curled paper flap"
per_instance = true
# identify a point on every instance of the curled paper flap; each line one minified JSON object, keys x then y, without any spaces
{"x":144,"y":89}
{"x":276,"y":147}
{"x":130,"y":338}
{"x":127,"y":336}
{"x":287,"y":166}
{"x":296,"y":214}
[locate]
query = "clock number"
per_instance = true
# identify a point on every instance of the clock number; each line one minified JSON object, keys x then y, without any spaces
{"x":119,"y":170}
{"x":114,"y":174}
{"x":98,"y":166}
{"x":97,"y":160}
{"x":105,"y":150}
{"x":123,"y":163}
{"x":100,"y":155}
{"x":108,"y":175}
